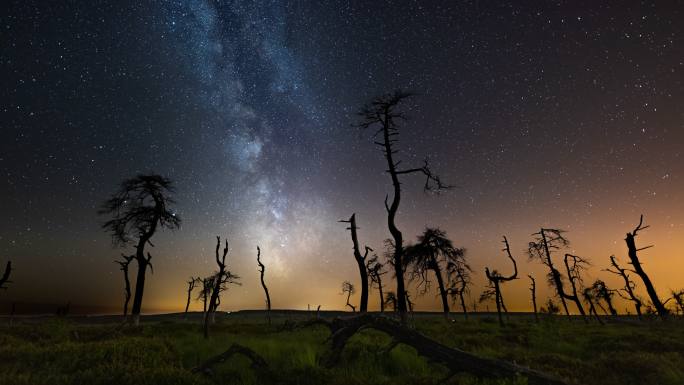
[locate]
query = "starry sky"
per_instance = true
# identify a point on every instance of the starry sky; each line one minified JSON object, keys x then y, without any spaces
{"x":559,"y":114}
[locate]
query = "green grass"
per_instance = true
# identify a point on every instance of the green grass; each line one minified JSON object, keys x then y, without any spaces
{"x":59,"y":351}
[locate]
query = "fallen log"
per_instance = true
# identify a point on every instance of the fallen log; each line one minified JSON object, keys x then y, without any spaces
{"x":258,"y":363}
{"x":455,"y":360}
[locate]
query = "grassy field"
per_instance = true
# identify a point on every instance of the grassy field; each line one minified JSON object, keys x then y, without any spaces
{"x":85,"y":351}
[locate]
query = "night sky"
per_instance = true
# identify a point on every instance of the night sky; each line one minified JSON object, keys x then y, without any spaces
{"x":549,"y":114}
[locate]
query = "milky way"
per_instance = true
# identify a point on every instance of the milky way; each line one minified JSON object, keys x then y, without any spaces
{"x":548,"y":114}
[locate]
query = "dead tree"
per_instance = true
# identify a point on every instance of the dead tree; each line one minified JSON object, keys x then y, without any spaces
{"x":205,"y":293}
{"x":547,"y":241}
{"x":459,"y":283}
{"x":628,"y":291}
{"x":575,"y":266}
{"x":360,"y":261}
{"x":127,"y":283}
{"x":533,"y":291}
{"x":433,"y":252}
{"x":383,"y":112}
{"x":262,"y":271}
{"x":495,"y":279}
{"x":191,"y":286}
{"x":5,"y":276}
{"x":588,"y":295}
{"x":602,"y":292}
{"x":348,"y":287}
{"x":222,"y":278}
{"x":375,"y":272}
{"x":137,"y":210}
{"x":455,"y":360}
{"x":632,"y":252}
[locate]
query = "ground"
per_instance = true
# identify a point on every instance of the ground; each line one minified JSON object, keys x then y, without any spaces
{"x":80,"y":350}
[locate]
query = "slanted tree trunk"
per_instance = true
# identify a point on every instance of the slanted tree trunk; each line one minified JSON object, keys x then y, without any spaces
{"x":5,"y":276}
{"x":360,"y":261}
{"x":262,"y":271}
{"x":555,"y":274}
{"x":442,"y":289}
{"x":533,"y":290}
{"x":382,"y":298}
{"x":573,"y":276}
{"x":632,"y":251}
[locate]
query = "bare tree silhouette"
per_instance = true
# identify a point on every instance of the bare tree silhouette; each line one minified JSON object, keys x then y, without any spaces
{"x":545,"y":242}
{"x":262,"y":271}
{"x":601,"y":292}
{"x":433,"y":252}
{"x":459,"y":282}
{"x":628,"y":291}
{"x":191,"y":286}
{"x":137,"y":210}
{"x":360,"y":261}
{"x":632,"y":252}
{"x":575,"y":266}
{"x":495,"y":280}
{"x":590,"y":298}
{"x":5,"y":276}
{"x":375,"y":270}
{"x":348,"y":287}
{"x":383,"y":112}
{"x":222,"y":278}
{"x":123,"y":265}
{"x":533,"y":291}
{"x":205,"y":292}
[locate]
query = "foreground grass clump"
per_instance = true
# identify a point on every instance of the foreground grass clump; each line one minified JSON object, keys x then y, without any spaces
{"x":62,"y":351}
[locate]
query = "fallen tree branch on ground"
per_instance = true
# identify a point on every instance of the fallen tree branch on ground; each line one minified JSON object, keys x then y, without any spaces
{"x":258,"y":363}
{"x":455,"y":360}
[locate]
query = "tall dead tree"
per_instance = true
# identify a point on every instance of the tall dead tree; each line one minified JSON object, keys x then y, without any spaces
{"x":495,"y":279}
{"x":632,"y":252}
{"x":433,"y":252}
{"x":123,"y":266}
{"x":628,"y":291}
{"x":191,"y":286}
{"x":533,"y":291}
{"x":383,"y":112}
{"x":375,"y":270}
{"x":222,"y":278}
{"x":262,"y":271}
{"x":5,"y":276}
{"x":137,"y":210}
{"x":545,"y":242}
{"x":360,"y":261}
{"x":459,"y":283}
{"x":348,"y":287}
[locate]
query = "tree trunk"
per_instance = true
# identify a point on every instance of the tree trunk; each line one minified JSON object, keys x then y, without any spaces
{"x":554,"y":273}
{"x":533,"y":289}
{"x":361,"y":262}
{"x":442,"y":290}
{"x":382,"y":298}
{"x":634,"y":258}
{"x":463,"y":305}
{"x":262,"y":269}
{"x":499,"y":302}
{"x":139,"y":287}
